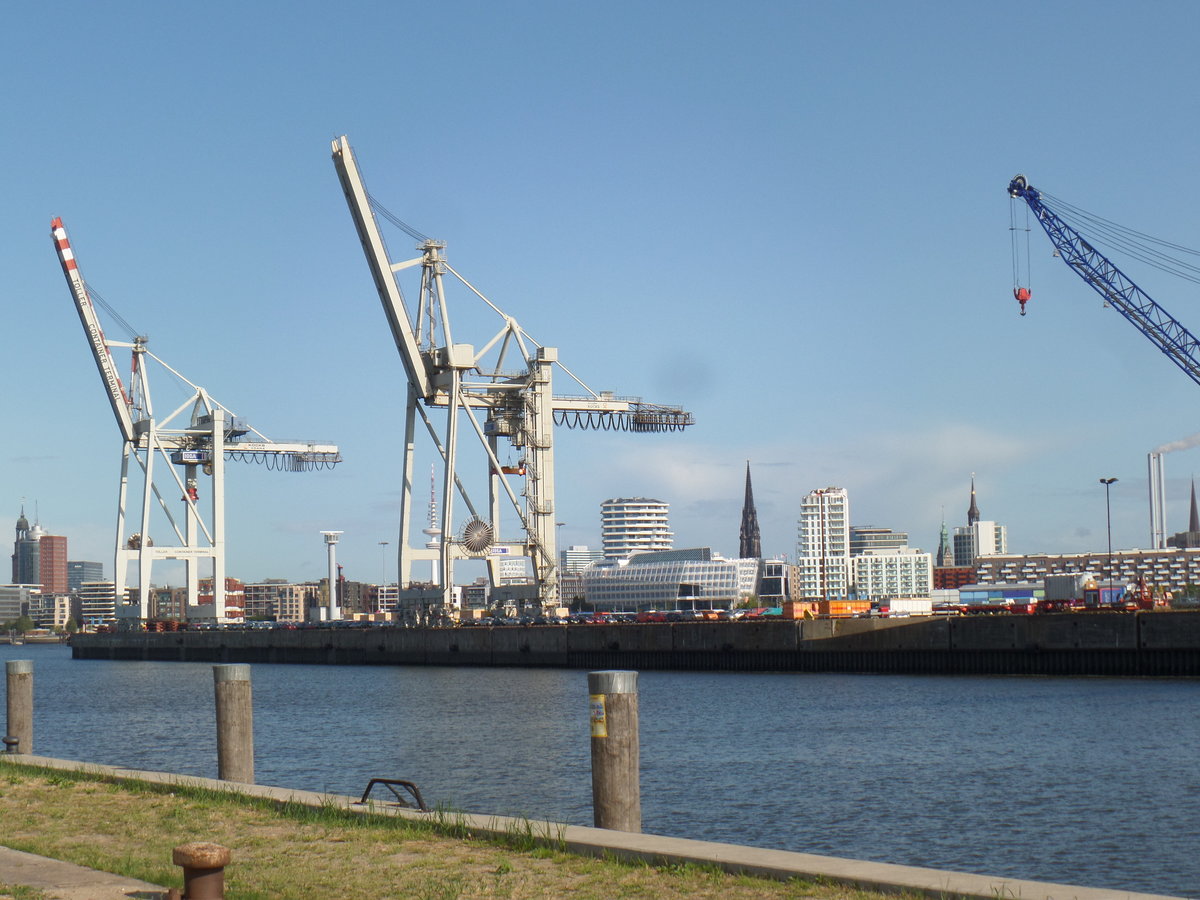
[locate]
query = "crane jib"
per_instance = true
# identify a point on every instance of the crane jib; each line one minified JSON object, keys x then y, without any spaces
{"x":1162,"y":329}
{"x":117,"y":396}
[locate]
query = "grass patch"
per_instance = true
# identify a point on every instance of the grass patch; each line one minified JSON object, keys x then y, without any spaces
{"x":20,"y":892}
{"x":290,"y":850}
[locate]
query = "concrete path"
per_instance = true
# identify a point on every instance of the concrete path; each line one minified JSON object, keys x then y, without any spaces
{"x":65,"y":881}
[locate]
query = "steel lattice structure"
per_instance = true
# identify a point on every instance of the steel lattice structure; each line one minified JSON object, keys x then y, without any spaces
{"x":501,"y":391}
{"x":194,"y":439}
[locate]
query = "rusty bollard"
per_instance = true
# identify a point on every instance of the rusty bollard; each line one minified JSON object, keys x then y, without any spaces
{"x":203,"y":870}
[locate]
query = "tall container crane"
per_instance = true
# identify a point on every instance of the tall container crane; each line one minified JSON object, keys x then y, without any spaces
{"x":1161,"y":328}
{"x":194,"y":439}
{"x":502,"y":391}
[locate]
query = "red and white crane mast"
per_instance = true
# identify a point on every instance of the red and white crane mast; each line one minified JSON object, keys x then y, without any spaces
{"x":95,"y":334}
{"x":197,"y":437}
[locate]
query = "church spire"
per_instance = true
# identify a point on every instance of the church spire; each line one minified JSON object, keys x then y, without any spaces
{"x":945,"y":553}
{"x":750,"y":543}
{"x":1194,"y":521}
{"x":972,"y":510}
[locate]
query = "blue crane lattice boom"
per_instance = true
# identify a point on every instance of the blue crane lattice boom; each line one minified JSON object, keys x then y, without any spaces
{"x":1164,"y":330}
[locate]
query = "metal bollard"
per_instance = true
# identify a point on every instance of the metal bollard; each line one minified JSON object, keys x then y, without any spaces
{"x":203,"y":869}
{"x":235,"y":723}
{"x":616,"y":752}
{"x":19,"y":685}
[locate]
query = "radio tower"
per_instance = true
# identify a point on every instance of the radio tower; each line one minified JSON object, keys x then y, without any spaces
{"x":434,"y":533}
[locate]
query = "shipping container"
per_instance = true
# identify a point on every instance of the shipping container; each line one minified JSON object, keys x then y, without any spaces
{"x":904,"y":606}
{"x":841,"y":609}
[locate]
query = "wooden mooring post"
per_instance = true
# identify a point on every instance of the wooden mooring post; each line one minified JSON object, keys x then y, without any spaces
{"x":18,"y":734}
{"x":616,"y":750}
{"x":235,"y":723}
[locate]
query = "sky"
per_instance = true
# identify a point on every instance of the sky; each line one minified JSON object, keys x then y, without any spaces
{"x":789,"y":217}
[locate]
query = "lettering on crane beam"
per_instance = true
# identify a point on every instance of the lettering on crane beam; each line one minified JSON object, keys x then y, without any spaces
{"x":97,"y":338}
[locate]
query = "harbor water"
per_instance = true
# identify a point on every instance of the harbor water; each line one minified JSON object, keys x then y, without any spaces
{"x":1089,"y":781}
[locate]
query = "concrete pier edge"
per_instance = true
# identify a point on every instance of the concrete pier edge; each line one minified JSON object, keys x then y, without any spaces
{"x":1165,"y":644}
{"x":654,"y":849}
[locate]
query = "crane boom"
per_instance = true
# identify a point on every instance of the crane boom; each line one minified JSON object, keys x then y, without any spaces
{"x":503,"y":391}
{"x":117,"y":395}
{"x":416,"y":366}
{"x":1166,"y":332}
{"x":195,"y":439}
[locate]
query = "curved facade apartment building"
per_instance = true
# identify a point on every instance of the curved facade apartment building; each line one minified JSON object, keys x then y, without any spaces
{"x":632,"y":525}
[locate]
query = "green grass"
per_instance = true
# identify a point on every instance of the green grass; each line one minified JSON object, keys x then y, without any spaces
{"x":289,"y":849}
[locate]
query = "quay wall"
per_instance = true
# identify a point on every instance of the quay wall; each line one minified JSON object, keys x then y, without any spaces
{"x":1152,"y":643}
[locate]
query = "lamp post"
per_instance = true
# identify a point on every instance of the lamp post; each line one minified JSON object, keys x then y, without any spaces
{"x":1108,"y":483}
{"x":383,"y":545}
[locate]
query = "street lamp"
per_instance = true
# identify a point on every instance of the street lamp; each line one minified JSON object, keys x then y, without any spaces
{"x":383,"y":545}
{"x":1108,"y":483}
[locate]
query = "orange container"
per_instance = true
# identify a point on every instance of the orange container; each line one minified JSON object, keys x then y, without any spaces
{"x":840,"y":609}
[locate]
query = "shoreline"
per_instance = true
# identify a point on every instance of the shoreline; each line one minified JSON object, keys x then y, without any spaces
{"x":778,"y":865}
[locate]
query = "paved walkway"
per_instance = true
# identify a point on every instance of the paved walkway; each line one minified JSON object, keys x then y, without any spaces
{"x":780,"y":864}
{"x":66,"y":881}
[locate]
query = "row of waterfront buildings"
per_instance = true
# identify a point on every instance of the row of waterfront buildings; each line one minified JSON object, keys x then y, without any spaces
{"x":834,"y":559}
{"x":636,"y":567}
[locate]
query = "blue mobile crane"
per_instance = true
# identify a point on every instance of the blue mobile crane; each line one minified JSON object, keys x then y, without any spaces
{"x":1165,"y":331}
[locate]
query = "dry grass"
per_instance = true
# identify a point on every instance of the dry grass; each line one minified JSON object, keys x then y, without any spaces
{"x":282,"y":852}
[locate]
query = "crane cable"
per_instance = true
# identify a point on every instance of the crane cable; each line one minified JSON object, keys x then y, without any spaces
{"x":111,"y":310}
{"x":1013,"y":230}
{"x":1136,"y":244}
{"x":395,"y":220}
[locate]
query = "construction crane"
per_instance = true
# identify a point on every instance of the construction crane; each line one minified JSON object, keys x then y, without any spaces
{"x":1119,"y":291}
{"x":503,"y":390}
{"x":195,"y":438}
{"x":1166,"y":332}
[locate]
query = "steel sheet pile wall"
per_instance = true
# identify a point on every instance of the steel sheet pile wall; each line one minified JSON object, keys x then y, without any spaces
{"x":1068,"y":644}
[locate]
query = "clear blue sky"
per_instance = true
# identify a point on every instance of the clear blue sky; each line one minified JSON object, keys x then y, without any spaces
{"x":789,"y":217}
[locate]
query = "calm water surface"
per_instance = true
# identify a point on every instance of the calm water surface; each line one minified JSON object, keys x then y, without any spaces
{"x":1081,"y":780}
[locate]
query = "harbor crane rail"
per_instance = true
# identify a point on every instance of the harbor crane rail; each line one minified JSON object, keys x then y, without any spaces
{"x":197,"y":437}
{"x":473,"y":384}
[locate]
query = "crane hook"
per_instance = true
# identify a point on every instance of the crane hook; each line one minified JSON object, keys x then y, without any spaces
{"x":1023,"y":295}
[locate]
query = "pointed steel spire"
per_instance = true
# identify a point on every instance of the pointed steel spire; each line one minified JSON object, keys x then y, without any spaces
{"x":972,"y":510}
{"x":945,"y":553}
{"x":1194,"y":521}
{"x":750,"y":542}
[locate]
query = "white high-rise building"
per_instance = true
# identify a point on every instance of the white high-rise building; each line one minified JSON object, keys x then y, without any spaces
{"x":98,"y":603}
{"x":577,"y":557}
{"x":883,"y":574}
{"x":823,"y":545}
{"x":979,"y":539}
{"x":634,"y":525}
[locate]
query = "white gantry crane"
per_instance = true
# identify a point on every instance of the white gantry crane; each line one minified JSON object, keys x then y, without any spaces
{"x":195,"y":438}
{"x":502,"y":390}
